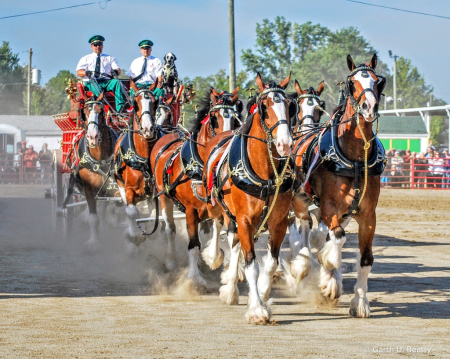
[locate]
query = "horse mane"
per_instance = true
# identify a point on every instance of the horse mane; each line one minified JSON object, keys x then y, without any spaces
{"x":204,"y":104}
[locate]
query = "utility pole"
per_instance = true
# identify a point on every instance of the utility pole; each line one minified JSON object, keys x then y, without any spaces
{"x":30,"y":55}
{"x":231,"y":40}
{"x":395,"y":57}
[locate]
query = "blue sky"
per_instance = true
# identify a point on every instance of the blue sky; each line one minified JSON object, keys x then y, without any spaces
{"x":197,"y":31}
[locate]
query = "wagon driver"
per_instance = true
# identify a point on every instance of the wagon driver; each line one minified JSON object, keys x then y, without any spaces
{"x":145,"y":70}
{"x":100,"y":66}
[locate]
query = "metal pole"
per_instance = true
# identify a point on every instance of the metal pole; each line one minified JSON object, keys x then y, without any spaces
{"x":30,"y":55}
{"x":395,"y":82}
{"x":232,"y":48}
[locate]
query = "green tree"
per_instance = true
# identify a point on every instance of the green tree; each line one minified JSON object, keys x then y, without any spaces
{"x":12,"y":82}
{"x":329,"y":62}
{"x":51,"y":99}
{"x":411,"y":86}
{"x":437,"y":128}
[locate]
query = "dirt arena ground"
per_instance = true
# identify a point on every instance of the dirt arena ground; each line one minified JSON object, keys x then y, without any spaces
{"x":57,"y":302}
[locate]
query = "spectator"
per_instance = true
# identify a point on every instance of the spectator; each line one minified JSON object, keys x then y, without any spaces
{"x":397,"y":162}
{"x":431,"y":146}
{"x":437,"y":170}
{"x":420,"y":170}
{"x":390,"y":154}
{"x":407,"y":164}
{"x":45,"y":160}
{"x":29,"y":161}
{"x":446,"y":160}
{"x":430,"y":153}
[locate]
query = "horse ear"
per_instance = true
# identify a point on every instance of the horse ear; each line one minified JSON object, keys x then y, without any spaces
{"x":213,"y":96}
{"x":101,"y":96}
{"x":153,"y":86}
{"x":214,"y":92}
{"x":298,"y":88}
{"x":321,"y":88}
{"x":259,"y":82}
{"x":283,"y":84}
{"x":170,"y":100}
{"x":234,"y":98}
{"x":374,"y":61}
{"x":239,"y":106}
{"x":236,"y":90}
{"x":350,"y":64}
{"x":133,"y":85}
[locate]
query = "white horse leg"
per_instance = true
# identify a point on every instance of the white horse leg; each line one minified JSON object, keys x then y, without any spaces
{"x":257,"y":312}
{"x":194,"y":272}
{"x":170,"y":232}
{"x":318,"y":236}
{"x":229,"y":292}
{"x":330,"y":256}
{"x":269,"y":265}
{"x":301,"y":265}
{"x":212,"y":254}
{"x":93,"y":244}
{"x":131,"y":232}
{"x":359,"y":306}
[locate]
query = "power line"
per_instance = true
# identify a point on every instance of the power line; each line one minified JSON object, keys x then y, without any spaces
{"x":61,"y":8}
{"x":393,"y":8}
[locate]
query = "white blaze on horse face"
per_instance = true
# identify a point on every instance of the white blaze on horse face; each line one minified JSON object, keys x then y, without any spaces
{"x":226,"y":115}
{"x":92,"y":133}
{"x":281,"y":134}
{"x":308,"y":110}
{"x":161,"y":117}
{"x":368,"y":106}
{"x":146,"y":122}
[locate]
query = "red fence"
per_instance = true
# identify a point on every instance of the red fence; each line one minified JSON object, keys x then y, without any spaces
{"x":417,"y":175}
{"x":18,"y":171}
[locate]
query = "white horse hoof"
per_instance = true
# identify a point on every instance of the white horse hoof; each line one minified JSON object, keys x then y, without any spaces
{"x":360,"y":308}
{"x":211,"y":261}
{"x":91,"y":246}
{"x":258,"y":314}
{"x":229,"y":294}
{"x":301,"y":265}
{"x":330,"y":283}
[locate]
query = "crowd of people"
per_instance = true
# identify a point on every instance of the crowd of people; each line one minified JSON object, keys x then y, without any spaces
{"x":430,"y":169}
{"x":25,"y":161}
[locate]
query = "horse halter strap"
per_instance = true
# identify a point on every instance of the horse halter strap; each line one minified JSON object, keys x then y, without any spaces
{"x":220,"y":106}
{"x":320,"y":106}
{"x":381,"y":84}
{"x":145,"y":92}
{"x":263,"y":124}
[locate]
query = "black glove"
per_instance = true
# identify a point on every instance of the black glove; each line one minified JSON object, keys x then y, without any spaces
{"x":115,"y":72}
{"x":89,"y":73}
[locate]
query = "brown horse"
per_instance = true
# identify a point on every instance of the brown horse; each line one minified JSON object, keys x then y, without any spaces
{"x":246,"y":173}
{"x":177,"y":161}
{"x":94,"y":154}
{"x":346,"y":183}
{"x":132,"y":159}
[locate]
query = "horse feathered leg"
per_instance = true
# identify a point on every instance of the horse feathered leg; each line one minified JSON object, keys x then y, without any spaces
{"x":212,"y":254}
{"x":169,"y":232}
{"x":194,"y":246}
{"x":257,"y":312}
{"x":229,"y":292}
{"x":93,"y":244}
{"x":359,"y":306}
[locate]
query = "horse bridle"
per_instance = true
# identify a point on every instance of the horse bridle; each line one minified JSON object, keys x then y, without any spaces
{"x":102,"y":105}
{"x":268,"y":130}
{"x":321,"y":106}
{"x":221,"y":106}
{"x":380,"y":87}
{"x":146,"y":93}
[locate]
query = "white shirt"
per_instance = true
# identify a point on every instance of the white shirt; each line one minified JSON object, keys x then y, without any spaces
{"x":107,"y":64}
{"x":152,"y":72}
